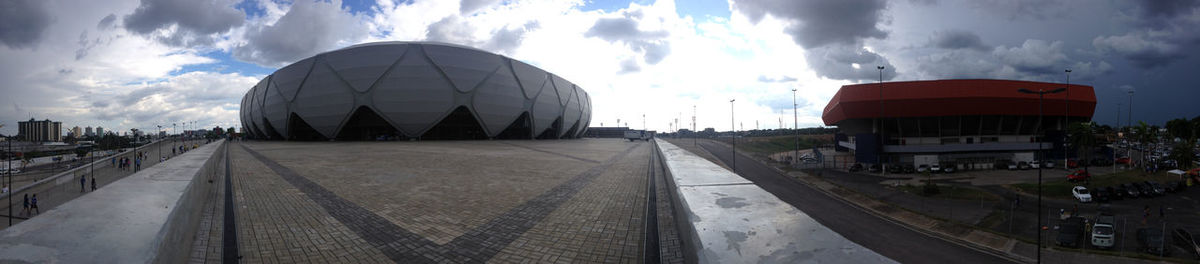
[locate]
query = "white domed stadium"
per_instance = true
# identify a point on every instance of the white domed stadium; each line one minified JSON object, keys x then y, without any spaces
{"x":413,"y":90}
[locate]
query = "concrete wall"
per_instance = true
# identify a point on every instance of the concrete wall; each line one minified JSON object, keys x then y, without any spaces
{"x":150,"y":216}
{"x":724,"y":218}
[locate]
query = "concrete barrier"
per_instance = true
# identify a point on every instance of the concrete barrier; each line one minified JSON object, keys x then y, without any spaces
{"x":725,"y":218}
{"x":150,"y":216}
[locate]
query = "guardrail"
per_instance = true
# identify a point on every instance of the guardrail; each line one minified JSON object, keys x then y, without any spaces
{"x":60,"y":188}
{"x":725,"y":218}
{"x":151,"y":216}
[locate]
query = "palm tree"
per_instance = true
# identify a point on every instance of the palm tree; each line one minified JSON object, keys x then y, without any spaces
{"x":1083,"y":138}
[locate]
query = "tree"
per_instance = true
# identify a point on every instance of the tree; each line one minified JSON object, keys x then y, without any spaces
{"x":1083,"y":138}
{"x":1180,"y":128}
{"x":1183,"y":154}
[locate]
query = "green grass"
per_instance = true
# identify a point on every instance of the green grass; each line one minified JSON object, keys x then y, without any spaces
{"x":1058,"y":187}
{"x":776,"y":144}
{"x":952,"y":192}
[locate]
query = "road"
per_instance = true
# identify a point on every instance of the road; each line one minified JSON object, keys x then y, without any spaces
{"x":886,"y":238}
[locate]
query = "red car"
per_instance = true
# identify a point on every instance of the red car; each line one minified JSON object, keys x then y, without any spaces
{"x":1078,"y":175}
{"x":1124,"y":160}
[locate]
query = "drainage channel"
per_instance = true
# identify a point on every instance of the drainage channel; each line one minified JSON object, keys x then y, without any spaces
{"x":229,"y":248}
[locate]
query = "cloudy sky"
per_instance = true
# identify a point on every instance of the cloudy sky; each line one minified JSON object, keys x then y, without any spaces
{"x":137,"y":63}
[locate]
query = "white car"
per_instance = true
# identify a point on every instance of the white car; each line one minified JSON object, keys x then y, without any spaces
{"x":935,"y":168}
{"x":1081,"y":193}
{"x":1035,"y":164}
{"x":1048,"y":164}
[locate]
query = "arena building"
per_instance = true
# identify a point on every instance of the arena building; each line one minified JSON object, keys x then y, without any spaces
{"x":972,"y":123}
{"x":413,"y":90}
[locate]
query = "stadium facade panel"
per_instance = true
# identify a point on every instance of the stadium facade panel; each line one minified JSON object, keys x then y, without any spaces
{"x":413,"y":90}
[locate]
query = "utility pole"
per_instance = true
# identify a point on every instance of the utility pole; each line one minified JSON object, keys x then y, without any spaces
{"x":695,"y":133}
{"x":795,"y":128}
{"x":1066,"y":118}
{"x":732,"y":127}
{"x":1041,"y":97}
{"x":882,"y":136}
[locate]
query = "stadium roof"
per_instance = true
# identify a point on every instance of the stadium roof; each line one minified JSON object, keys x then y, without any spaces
{"x":955,"y":98}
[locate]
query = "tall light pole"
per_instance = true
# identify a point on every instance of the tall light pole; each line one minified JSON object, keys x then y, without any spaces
{"x":882,"y":136}
{"x":1041,"y":96}
{"x":734,"y":129}
{"x":1129,"y":122}
{"x":695,"y":133}
{"x":1118,"y":132}
{"x":1066,"y":118}
{"x":795,"y":128}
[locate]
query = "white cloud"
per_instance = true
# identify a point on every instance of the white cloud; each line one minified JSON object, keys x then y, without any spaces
{"x":309,"y":27}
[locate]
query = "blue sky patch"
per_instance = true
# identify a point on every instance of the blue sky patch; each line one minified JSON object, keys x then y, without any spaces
{"x":700,"y":10}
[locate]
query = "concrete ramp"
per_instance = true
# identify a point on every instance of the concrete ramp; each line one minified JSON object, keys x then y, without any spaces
{"x":731,"y":220}
{"x":150,"y":216}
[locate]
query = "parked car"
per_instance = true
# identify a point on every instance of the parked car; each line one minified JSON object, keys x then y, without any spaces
{"x":1082,"y":194}
{"x":1048,"y":164}
{"x":1100,"y":195}
{"x":923,"y":168}
{"x":856,"y":167}
{"x":1131,"y":191}
{"x":1186,"y":241}
{"x":1035,"y":164}
{"x":1103,"y":233}
{"x":1070,"y":231}
{"x":1146,"y":190}
{"x":1123,"y":160}
{"x":1156,"y":188}
{"x":875,"y":168}
{"x":1023,"y":165}
{"x":909,"y":168}
{"x":1116,"y":192}
{"x":935,"y":168}
{"x":1176,"y":186}
{"x":948,"y":167}
{"x":1011,"y":165}
{"x":1079,"y":175}
{"x":1150,"y":240}
{"x":894,"y":169}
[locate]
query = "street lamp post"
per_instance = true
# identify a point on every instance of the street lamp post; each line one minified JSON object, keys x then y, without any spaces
{"x":1041,"y":96}
{"x":882,"y":136}
{"x":795,"y":128}
{"x":695,"y":134}
{"x":734,"y":128}
{"x":1066,"y":118}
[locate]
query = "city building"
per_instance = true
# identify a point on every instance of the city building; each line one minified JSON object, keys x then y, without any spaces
{"x":100,"y":131}
{"x":76,"y":131}
{"x":40,"y":131}
{"x":973,"y":123}
{"x":89,"y":132}
{"x":414,"y":90}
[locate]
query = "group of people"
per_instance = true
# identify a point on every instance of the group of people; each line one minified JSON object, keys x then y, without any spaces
{"x":29,"y":206}
{"x":83,"y":182}
{"x":125,"y":163}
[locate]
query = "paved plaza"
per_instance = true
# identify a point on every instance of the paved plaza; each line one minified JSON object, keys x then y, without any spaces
{"x":436,"y":201}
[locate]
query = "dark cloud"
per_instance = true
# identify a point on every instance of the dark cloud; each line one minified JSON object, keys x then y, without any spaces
{"x":1145,"y":52}
{"x":466,"y":7}
{"x":1034,"y":57}
{"x":308,"y":28}
{"x":781,"y":79}
{"x":22,"y":22}
{"x":814,"y":24}
{"x":185,"y":22}
{"x":839,"y":62}
{"x":652,"y":44}
{"x":106,"y":22}
{"x":1161,"y":13}
{"x":1023,"y":9}
{"x":957,"y":39}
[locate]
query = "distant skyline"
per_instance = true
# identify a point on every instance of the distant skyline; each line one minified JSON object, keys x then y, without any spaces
{"x":125,"y":64}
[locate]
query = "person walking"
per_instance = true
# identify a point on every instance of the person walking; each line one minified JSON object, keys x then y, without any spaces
{"x":33,"y":205}
{"x":93,"y":183}
{"x":25,"y":206}
{"x":83,"y":183}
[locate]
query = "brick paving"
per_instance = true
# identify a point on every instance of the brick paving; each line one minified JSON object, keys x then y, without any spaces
{"x":451,"y":202}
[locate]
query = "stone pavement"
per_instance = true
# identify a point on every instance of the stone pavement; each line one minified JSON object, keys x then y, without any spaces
{"x":564,"y":201}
